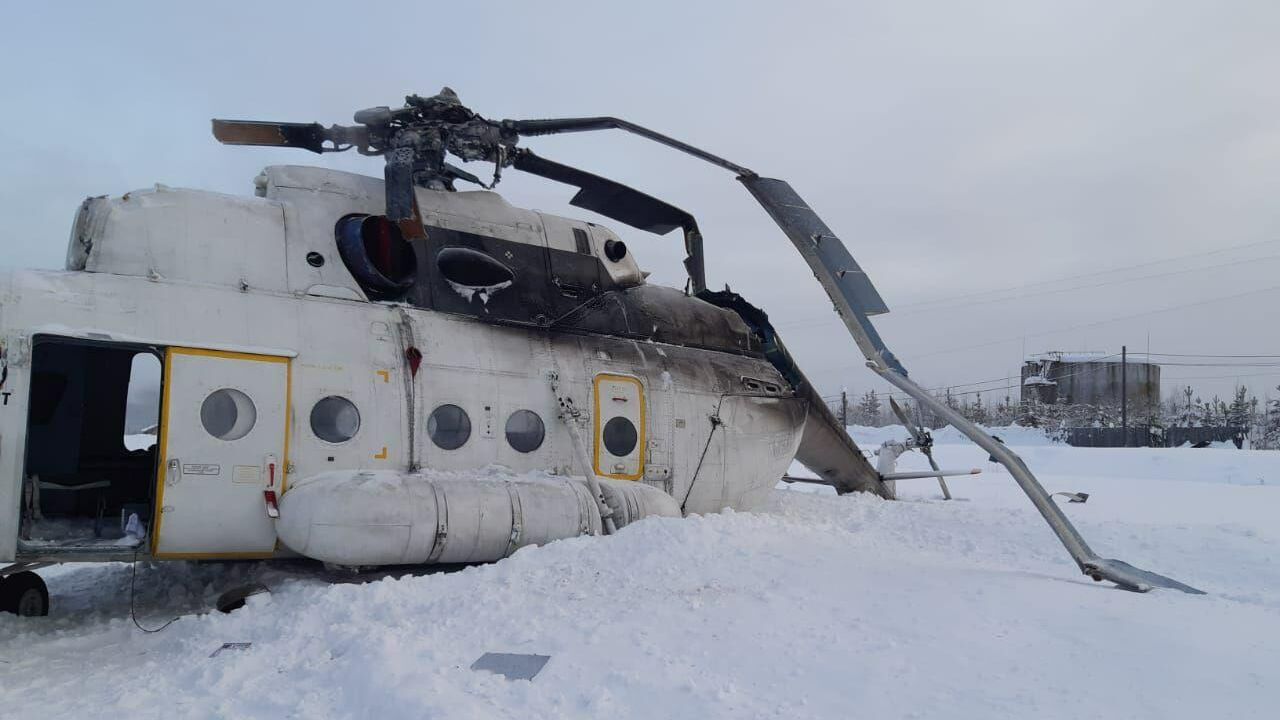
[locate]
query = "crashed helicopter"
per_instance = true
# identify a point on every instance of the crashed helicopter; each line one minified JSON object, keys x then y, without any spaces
{"x":330,"y":348}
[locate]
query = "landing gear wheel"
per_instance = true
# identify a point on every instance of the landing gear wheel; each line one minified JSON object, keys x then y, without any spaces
{"x":24,"y":594}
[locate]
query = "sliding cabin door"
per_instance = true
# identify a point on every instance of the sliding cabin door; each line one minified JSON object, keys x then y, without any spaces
{"x":223,"y":429}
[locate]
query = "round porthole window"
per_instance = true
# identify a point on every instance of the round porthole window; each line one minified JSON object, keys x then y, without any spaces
{"x":619,"y":436}
{"x":449,"y":427}
{"x":525,"y":431}
{"x":228,"y":414}
{"x":335,"y":419}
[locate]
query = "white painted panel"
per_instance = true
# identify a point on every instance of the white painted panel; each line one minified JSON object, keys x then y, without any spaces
{"x":211,"y":491}
{"x":186,"y":235}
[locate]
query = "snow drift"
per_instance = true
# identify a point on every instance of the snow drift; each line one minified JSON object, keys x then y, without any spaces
{"x":818,"y":607}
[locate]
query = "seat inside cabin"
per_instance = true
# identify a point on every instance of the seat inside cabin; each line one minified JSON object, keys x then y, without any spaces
{"x":91,"y":444}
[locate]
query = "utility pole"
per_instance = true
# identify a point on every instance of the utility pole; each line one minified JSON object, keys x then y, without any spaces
{"x":844,"y":408}
{"x":1124,"y":392}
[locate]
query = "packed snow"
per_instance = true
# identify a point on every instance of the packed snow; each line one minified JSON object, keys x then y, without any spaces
{"x":817,"y":606}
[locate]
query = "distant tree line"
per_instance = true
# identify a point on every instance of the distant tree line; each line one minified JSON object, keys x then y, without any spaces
{"x":1260,"y":419}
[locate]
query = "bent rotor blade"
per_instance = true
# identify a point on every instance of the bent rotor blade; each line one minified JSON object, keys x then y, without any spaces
{"x":554,"y":126}
{"x":925,"y":445}
{"x":602,"y":195}
{"x":852,"y":296}
{"x":624,"y":204}
{"x":308,"y":136}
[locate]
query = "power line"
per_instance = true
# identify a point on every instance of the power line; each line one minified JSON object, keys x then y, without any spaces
{"x":1224,"y":365}
{"x":1194,"y":355}
{"x":952,"y":386}
{"x":982,"y":293}
{"x":1095,"y":274}
{"x":899,"y":393}
{"x":1082,"y":326}
{"x":1023,"y":336}
{"x":1220,"y":377}
{"x":899,"y":312}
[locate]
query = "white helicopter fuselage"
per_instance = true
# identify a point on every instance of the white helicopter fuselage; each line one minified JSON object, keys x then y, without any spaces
{"x":278,"y":368}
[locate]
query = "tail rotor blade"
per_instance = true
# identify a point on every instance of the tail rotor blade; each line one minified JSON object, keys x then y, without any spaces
{"x":902,"y":416}
{"x":928,"y":453}
{"x":922,"y":442}
{"x":307,"y":136}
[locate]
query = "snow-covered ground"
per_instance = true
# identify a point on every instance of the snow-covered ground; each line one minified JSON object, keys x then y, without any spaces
{"x":819,"y":606}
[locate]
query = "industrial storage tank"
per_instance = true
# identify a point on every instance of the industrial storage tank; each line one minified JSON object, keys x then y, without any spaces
{"x":1090,"y":378}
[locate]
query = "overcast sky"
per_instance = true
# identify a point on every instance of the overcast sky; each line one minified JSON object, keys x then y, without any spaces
{"x":957,"y":148}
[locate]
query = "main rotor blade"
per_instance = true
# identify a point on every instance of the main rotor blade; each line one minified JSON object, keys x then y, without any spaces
{"x":308,"y":136}
{"x":553,"y":126}
{"x":607,"y":197}
{"x":855,"y":299}
{"x":624,"y":204}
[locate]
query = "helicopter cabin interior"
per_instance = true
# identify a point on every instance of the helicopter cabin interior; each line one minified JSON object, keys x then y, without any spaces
{"x":91,"y":443}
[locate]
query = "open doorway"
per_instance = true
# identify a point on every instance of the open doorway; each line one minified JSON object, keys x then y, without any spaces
{"x":91,"y":443}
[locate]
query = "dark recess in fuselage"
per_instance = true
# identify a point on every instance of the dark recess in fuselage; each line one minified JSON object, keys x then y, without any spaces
{"x":571,"y":292}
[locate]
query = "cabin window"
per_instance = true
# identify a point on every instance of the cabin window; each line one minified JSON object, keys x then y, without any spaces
{"x":619,"y":436}
{"x":581,"y":241}
{"x":142,"y":402}
{"x":228,"y":414}
{"x":335,"y":419}
{"x":449,"y":427}
{"x":525,"y":431}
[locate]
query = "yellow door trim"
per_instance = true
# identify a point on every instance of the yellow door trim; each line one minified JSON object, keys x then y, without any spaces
{"x":641,"y":444}
{"x":228,"y":355}
{"x":163,"y":455}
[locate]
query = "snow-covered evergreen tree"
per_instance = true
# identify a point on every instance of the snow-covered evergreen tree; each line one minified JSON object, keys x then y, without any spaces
{"x":950,"y":401}
{"x":1237,"y":413}
{"x":1271,"y":423}
{"x":978,"y":411}
{"x":1031,"y":414}
{"x":1186,"y":415}
{"x":869,"y":408}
